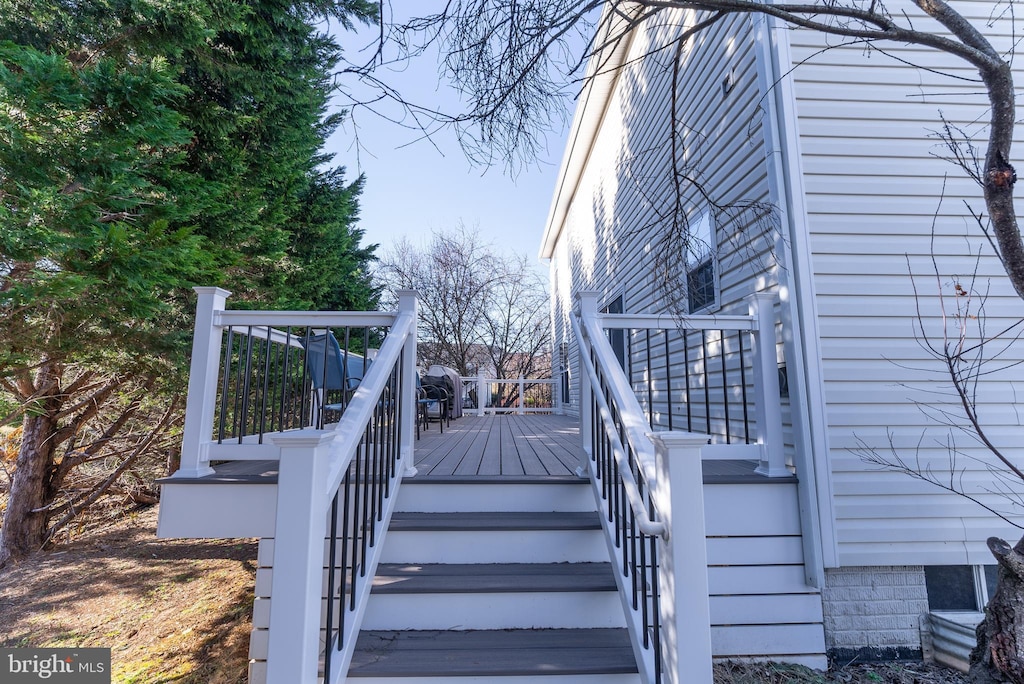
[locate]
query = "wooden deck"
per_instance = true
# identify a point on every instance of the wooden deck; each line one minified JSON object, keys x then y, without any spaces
{"x":531,"y":445}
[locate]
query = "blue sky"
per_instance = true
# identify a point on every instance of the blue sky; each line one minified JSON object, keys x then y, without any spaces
{"x":414,"y":186}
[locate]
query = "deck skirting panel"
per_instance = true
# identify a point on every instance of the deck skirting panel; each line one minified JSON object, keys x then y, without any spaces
{"x":761,"y":606}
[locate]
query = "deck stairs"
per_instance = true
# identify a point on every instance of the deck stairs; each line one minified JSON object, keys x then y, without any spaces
{"x":494,"y":580}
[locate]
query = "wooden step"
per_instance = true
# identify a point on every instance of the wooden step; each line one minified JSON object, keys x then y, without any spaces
{"x":493,"y":596}
{"x":452,"y":494}
{"x":406,"y":578}
{"x":494,"y":537}
{"x":492,"y":653}
{"x":402,"y":521}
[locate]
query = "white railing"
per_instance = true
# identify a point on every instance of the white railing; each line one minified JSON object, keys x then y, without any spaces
{"x":650,"y":482}
{"x":715,"y":375}
{"x":515,"y":395}
{"x":336,"y":481}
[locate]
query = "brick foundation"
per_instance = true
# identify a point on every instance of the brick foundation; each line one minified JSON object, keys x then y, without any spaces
{"x":874,"y":613}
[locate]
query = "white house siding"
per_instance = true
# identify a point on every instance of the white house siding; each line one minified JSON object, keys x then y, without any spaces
{"x":874,"y":194}
{"x":612,"y":232}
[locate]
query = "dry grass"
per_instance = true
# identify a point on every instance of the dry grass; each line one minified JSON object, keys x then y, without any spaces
{"x":171,"y":610}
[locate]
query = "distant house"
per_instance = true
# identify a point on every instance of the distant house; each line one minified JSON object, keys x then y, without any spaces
{"x":818,"y":160}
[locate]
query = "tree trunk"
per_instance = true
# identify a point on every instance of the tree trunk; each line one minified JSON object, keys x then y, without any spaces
{"x":24,"y":525}
{"x":999,"y":655}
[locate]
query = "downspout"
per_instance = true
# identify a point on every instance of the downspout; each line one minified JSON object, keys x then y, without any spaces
{"x":801,"y":341}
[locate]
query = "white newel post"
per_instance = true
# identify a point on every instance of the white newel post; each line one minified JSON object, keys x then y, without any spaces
{"x":683,"y":566}
{"x":522,"y":399}
{"x":408,"y":300}
{"x":768,"y":409}
{"x":587,"y":303}
{"x":296,"y":588}
{"x":202,"y":384}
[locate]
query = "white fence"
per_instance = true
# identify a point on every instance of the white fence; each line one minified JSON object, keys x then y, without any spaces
{"x":482,"y":395}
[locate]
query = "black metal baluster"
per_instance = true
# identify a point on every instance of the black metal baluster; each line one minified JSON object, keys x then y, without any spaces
{"x":707,"y":379}
{"x":356,"y":531}
{"x":616,"y":502}
{"x":389,"y":432}
{"x":277,"y":388}
{"x":655,"y":608}
{"x":365,"y":518}
{"x":378,"y":474}
{"x":306,"y":403}
{"x":401,"y":406}
{"x":238,"y":384}
{"x":743,"y":384}
{"x":668,"y":379}
{"x":346,"y":503}
{"x":265,"y":385}
{"x":321,"y":412}
{"x":650,"y":379}
{"x":246,"y":379}
{"x":256,"y":382}
{"x":725,"y":388}
{"x":286,"y":384}
{"x":225,"y":383}
{"x":686,"y":371}
{"x":645,"y":618}
{"x":383,"y":433}
{"x":345,"y":379}
{"x":331,"y":553}
{"x":632,"y":556}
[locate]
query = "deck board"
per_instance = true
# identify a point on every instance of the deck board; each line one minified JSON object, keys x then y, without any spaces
{"x":492,"y":654}
{"x":498,"y":447}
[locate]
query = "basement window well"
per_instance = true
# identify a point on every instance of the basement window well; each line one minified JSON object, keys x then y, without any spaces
{"x":957,"y":595}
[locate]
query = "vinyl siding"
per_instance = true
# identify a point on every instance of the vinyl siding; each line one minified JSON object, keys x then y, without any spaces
{"x":880,"y":205}
{"x":612,"y":237}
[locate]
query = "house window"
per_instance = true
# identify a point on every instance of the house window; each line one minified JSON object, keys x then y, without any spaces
{"x":959,"y":587}
{"x":617,"y":337}
{"x":701,"y":274}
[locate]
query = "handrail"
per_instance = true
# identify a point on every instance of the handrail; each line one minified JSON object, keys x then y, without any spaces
{"x":667,"y":322}
{"x":358,"y":319}
{"x":649,"y":489}
{"x":631,"y":414}
{"x":636,"y":503}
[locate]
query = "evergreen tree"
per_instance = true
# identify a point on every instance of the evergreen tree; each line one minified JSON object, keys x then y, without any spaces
{"x":146,"y":147}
